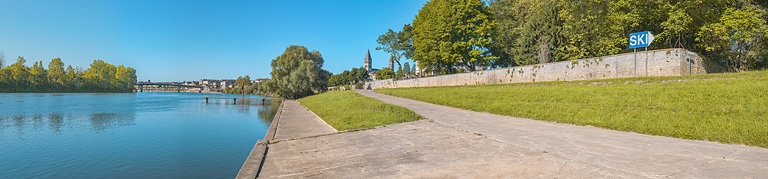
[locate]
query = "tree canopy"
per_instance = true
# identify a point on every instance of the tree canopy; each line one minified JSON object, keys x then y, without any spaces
{"x":398,"y":44}
{"x":533,"y":31}
{"x":450,"y":35}
{"x":297,"y":73}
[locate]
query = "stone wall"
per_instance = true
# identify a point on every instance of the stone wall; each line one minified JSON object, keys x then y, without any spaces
{"x":663,"y":62}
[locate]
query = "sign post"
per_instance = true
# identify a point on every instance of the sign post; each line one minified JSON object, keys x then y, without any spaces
{"x":640,"y":40}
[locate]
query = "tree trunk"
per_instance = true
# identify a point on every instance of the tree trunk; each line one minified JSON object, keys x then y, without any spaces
{"x":543,"y":55}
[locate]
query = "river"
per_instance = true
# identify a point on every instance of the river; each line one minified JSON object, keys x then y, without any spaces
{"x":134,"y":135}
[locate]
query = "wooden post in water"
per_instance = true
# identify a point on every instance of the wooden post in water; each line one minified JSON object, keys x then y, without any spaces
{"x":206,"y":99}
{"x":235,"y":100}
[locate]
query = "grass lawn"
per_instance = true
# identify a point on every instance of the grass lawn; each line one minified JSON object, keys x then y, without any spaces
{"x":347,"y":110}
{"x":728,"y":108}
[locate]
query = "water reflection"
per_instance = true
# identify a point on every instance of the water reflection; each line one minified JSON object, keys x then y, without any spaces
{"x":268,"y":113}
{"x":266,"y":108}
{"x":103,"y":121}
{"x":56,"y":121}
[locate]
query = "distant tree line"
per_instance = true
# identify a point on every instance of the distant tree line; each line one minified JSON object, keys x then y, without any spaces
{"x":247,"y":86}
{"x":100,"y":77}
{"x":348,"y":77}
{"x":452,"y":36}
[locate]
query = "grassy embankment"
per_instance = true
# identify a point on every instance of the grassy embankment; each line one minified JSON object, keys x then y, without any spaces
{"x":728,"y":108}
{"x":347,"y":110}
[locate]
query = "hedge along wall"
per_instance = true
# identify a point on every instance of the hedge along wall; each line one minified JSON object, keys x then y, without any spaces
{"x":663,"y":62}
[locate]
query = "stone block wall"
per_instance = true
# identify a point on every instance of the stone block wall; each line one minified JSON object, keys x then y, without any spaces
{"x":663,"y":62}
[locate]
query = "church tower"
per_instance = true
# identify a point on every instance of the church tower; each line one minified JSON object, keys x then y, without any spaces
{"x":367,"y":61}
{"x":392,"y":63}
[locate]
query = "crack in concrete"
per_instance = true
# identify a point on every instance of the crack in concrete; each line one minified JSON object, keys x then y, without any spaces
{"x":561,"y":169}
{"x":706,"y":163}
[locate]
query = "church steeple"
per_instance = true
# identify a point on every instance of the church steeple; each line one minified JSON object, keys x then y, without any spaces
{"x":367,"y":60}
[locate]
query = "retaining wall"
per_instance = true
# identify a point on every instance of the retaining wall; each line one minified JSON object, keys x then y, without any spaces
{"x":663,"y":62}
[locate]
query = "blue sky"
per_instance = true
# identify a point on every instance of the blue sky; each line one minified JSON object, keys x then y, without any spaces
{"x":181,"y":40}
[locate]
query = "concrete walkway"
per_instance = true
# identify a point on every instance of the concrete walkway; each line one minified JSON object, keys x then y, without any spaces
{"x":455,"y":143}
{"x":296,"y":122}
{"x":292,"y":121}
{"x":594,"y":152}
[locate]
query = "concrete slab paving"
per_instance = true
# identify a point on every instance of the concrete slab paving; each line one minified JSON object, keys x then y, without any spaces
{"x":297,"y":121}
{"x":583,"y":151}
{"x":419,"y":149}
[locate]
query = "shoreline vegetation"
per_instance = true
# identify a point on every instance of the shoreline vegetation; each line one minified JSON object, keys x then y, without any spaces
{"x":727,"y":108}
{"x":100,"y":77}
{"x":347,"y":110}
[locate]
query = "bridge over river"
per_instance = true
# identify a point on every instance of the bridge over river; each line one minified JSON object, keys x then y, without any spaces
{"x":140,"y":85}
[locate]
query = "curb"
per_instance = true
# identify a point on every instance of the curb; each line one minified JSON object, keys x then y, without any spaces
{"x":252,"y":166}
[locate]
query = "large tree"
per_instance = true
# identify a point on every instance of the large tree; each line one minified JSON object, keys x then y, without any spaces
{"x":452,"y":34}
{"x":298,"y":73}
{"x":398,"y":44}
{"x":98,"y":77}
{"x":739,"y":36}
{"x":56,"y":73}
{"x":20,"y":73}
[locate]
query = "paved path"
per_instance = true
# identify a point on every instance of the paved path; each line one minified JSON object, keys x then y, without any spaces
{"x":292,"y":121}
{"x":455,"y":143}
{"x":595,"y":152}
{"x":296,"y":122}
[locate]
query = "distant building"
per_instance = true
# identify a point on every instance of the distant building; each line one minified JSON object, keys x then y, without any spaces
{"x":217,"y":85}
{"x":259,"y":80}
{"x":368,"y":67}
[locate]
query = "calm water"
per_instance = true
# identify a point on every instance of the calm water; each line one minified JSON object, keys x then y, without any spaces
{"x":141,"y":135}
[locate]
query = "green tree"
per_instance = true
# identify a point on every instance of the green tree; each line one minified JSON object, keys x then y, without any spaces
{"x":390,"y":43}
{"x":739,"y":37}
{"x":126,"y":78}
{"x":405,"y":37}
{"x":449,"y":34}
{"x":20,"y":74}
{"x":5,"y":74}
{"x":71,"y":79}
{"x":38,"y":77}
{"x":99,"y":76}
{"x":242,"y":84}
{"x":243,"y":80}
{"x":298,"y":73}
{"x":406,"y":68}
{"x":384,"y":74}
{"x":398,"y":44}
{"x":56,"y":73}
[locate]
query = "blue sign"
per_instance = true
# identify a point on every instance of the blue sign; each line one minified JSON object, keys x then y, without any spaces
{"x":640,"y":39}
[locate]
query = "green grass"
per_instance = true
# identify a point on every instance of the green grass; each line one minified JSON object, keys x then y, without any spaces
{"x":728,"y":108}
{"x":347,"y":110}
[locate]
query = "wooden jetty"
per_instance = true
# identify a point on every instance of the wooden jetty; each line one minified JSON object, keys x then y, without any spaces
{"x":263,"y":100}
